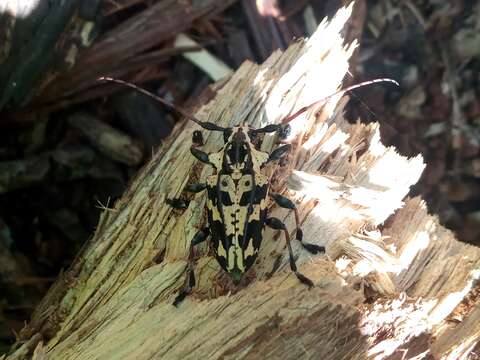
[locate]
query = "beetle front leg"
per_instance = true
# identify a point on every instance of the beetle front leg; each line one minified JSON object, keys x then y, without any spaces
{"x":178,"y":203}
{"x":197,"y":138}
{"x":199,"y":237}
{"x":276,"y":224}
{"x":283,"y":130}
{"x":279,"y":152}
{"x":286,"y":203}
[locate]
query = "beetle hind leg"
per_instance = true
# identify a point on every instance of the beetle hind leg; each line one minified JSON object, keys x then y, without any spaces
{"x":286,"y":203}
{"x":199,"y":237}
{"x":276,"y":224}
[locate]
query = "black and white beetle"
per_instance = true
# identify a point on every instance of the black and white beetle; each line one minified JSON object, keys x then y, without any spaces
{"x":237,"y":194}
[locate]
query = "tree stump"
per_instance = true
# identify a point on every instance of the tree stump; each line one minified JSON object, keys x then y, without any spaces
{"x":393,"y":283}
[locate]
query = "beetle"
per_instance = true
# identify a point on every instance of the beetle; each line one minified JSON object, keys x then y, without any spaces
{"x":237,"y":194}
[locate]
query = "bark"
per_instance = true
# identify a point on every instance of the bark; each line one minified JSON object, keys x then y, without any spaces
{"x":49,"y":60}
{"x":59,"y":164}
{"x":381,"y":291}
{"x":128,"y":48}
{"x":108,"y":140}
{"x":41,"y":39}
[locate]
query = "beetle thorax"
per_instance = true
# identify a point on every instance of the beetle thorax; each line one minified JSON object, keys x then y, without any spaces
{"x":237,"y":152}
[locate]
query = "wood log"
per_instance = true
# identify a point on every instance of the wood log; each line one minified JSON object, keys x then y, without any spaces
{"x":108,"y":140}
{"x":393,"y":283}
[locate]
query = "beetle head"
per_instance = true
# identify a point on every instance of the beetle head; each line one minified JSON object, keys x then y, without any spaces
{"x":237,"y":150}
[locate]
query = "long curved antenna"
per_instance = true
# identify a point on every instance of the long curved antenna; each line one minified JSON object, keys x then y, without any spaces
{"x":289,"y":118}
{"x":204,"y":124}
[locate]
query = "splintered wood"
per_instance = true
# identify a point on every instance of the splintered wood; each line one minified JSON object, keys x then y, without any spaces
{"x":407,"y":288}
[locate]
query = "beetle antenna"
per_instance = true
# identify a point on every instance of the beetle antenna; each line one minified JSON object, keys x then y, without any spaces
{"x":341,"y":91}
{"x":203,"y":124}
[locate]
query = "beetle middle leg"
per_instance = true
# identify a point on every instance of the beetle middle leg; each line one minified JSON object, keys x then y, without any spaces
{"x":178,"y":203}
{"x":199,"y":237}
{"x":276,"y":224}
{"x":200,"y":155}
{"x":286,"y":203}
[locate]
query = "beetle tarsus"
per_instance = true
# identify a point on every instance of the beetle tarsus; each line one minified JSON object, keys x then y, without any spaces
{"x":197,"y":138}
{"x":180,"y":297}
{"x":304,"y":280}
{"x":276,"y":224}
{"x":286,"y":203}
{"x":299,"y":235}
{"x":199,"y":237}
{"x":312,"y":248}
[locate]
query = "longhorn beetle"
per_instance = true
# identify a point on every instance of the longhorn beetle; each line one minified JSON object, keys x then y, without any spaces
{"x":237,"y":194}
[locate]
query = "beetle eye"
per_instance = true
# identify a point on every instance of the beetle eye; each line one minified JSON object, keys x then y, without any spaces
{"x":226,"y":134}
{"x":284,"y":131}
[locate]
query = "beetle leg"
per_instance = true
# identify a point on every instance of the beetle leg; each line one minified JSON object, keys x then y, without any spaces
{"x":286,"y":203}
{"x":177,"y":203}
{"x":197,"y":138}
{"x":276,"y":224}
{"x":199,"y":237}
{"x":283,"y":130}
{"x":200,"y":155}
{"x":195,"y":187}
{"x":279,"y":152}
